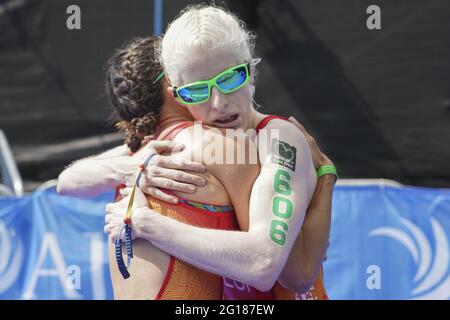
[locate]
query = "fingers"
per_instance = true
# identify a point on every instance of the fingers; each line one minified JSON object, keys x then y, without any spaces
{"x":165,"y":146}
{"x":173,"y":163}
{"x":113,"y":220}
{"x":298,"y":125}
{"x":113,"y":211}
{"x":109,"y":208}
{"x":310,"y":138}
{"x":113,"y":228}
{"x":107,"y":218}
{"x":147,"y":139}
{"x":319,"y":158}
{"x":169,"y":184}
{"x":173,"y":174}
{"x":114,"y":233}
{"x":112,"y":225}
{"x":125,"y":192}
{"x":140,"y":199}
{"x":158,"y":194}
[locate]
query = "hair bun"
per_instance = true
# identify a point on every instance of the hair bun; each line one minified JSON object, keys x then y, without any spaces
{"x":136,"y":99}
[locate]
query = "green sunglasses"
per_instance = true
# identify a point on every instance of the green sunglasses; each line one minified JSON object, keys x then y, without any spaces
{"x":227,"y":81}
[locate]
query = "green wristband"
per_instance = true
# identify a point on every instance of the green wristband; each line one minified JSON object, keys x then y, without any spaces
{"x":327,"y":169}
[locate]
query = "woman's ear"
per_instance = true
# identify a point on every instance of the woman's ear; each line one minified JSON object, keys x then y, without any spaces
{"x":252,"y":79}
{"x":171,"y":97}
{"x":252,"y":73}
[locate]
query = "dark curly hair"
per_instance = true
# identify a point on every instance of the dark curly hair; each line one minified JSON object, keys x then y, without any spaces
{"x":131,"y":88}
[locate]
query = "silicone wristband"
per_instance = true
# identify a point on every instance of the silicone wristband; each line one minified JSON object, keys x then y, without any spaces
{"x":327,"y":169}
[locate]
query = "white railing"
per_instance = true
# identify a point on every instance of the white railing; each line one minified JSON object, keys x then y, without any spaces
{"x":368,"y":182}
{"x":47,"y":185}
{"x":10,"y":175}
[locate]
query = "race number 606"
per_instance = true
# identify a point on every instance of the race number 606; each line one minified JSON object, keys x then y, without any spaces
{"x":282,"y":207}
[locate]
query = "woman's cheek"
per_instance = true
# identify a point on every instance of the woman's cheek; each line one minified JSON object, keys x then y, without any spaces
{"x":244,"y":97}
{"x":198,"y":113}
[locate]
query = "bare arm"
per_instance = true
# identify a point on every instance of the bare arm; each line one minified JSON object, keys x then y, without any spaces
{"x":311,"y":244}
{"x":276,"y":213}
{"x":93,"y":175}
{"x":97,"y":174}
{"x":310,"y":247}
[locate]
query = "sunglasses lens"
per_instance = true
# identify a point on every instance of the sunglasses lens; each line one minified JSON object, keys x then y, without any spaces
{"x":232,"y":79}
{"x":194,"y":94}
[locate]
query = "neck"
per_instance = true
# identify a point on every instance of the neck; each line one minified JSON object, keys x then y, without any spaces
{"x":171,"y":112}
{"x":254,"y":117}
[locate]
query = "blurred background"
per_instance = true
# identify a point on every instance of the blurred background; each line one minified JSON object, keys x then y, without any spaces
{"x":377,"y":101}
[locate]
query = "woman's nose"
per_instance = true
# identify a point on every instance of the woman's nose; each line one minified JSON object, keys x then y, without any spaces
{"x":218,"y":99}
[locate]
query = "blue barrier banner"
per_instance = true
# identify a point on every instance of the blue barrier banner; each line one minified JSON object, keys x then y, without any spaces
{"x":389,"y":243}
{"x":53,"y":247}
{"x":386,"y":242}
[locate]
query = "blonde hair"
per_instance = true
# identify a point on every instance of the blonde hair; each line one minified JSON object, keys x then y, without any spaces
{"x":206,"y":29}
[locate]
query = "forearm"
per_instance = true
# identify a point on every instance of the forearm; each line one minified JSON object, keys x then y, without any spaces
{"x":316,"y":229}
{"x":87,"y":178}
{"x":252,"y":257}
{"x":94,"y":175}
{"x":243,"y":256}
{"x":311,"y":245}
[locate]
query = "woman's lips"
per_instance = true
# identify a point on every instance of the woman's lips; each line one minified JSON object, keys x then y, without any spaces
{"x":227,"y":120}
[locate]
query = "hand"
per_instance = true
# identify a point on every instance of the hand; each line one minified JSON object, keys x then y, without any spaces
{"x":147,"y":139}
{"x":319,"y":158}
{"x":165,"y":171}
{"x":115,"y":213}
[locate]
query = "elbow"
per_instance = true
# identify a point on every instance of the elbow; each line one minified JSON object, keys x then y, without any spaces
{"x":65,"y":185}
{"x":62,"y":191}
{"x":301,"y":286}
{"x":61,"y":185}
{"x":266,"y":273}
{"x":300,"y":281}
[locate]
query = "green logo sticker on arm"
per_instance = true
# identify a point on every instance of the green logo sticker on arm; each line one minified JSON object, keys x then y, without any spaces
{"x":284,"y":154}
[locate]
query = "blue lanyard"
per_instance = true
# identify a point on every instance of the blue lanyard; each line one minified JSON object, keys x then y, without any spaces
{"x":123,"y":268}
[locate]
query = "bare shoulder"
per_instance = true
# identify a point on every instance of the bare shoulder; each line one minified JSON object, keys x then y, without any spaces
{"x":281,"y":138}
{"x":231,"y":159}
{"x":219,"y":146}
{"x":285,"y":129}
